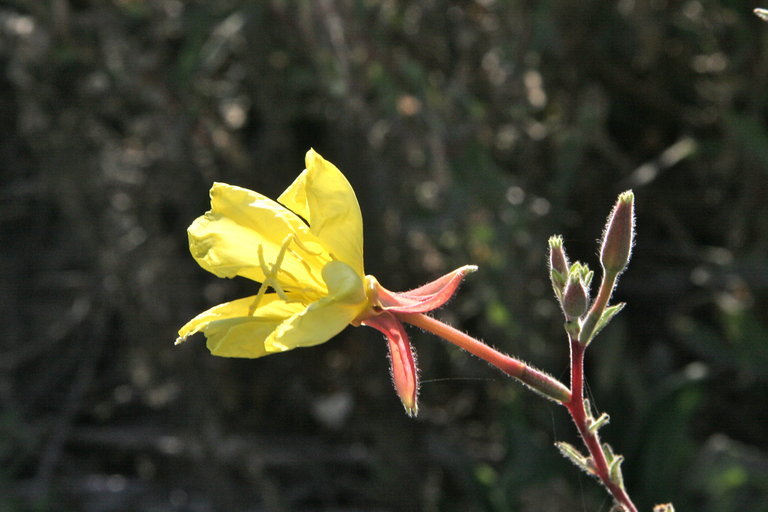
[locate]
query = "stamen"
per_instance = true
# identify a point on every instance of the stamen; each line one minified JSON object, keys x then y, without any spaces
{"x":290,"y":276}
{"x":264,"y":285}
{"x":307,"y":267}
{"x":270,"y":274}
{"x":303,"y":261}
{"x":271,"y":271}
{"x":304,"y":247}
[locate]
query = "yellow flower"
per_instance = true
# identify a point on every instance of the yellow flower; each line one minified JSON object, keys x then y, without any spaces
{"x":306,"y":250}
{"x":311,"y":272}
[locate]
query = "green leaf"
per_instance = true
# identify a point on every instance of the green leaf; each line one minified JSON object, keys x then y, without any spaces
{"x":614,"y":470}
{"x":600,"y":422}
{"x":606,"y":317}
{"x":574,"y":455}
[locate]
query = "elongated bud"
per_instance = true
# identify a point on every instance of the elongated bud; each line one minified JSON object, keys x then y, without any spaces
{"x":619,"y":235}
{"x":558,"y":265}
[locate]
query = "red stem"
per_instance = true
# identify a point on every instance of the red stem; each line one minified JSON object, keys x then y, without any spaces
{"x":581,"y":417}
{"x":535,"y":379}
{"x":547,"y":385}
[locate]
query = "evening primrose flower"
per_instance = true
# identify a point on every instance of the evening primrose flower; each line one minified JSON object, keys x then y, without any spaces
{"x":306,"y":250}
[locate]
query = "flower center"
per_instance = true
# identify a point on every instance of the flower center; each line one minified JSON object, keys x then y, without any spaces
{"x":271,"y":272}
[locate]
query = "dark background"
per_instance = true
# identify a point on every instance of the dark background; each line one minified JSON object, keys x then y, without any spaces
{"x":471,"y":131}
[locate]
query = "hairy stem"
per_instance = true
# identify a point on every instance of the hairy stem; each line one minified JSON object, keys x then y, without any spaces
{"x":598,"y":306}
{"x":544,"y":384}
{"x":581,"y":417}
{"x":533,"y":378}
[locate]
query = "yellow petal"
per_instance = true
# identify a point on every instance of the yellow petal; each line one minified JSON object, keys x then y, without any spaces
{"x":226,"y":240}
{"x":239,"y":337}
{"x":270,"y":306}
{"x":327,"y":317}
{"x":232,"y":332}
{"x":323,"y":196}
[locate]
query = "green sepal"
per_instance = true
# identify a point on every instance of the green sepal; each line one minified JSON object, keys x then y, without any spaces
{"x":587,"y":278}
{"x":581,"y":270}
{"x":559,"y":278}
{"x":558,"y":283}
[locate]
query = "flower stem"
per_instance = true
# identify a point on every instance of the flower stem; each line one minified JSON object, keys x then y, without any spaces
{"x":544,"y":384}
{"x":582,"y":418}
{"x":598,"y":306}
{"x":577,"y":406}
{"x":533,"y":378}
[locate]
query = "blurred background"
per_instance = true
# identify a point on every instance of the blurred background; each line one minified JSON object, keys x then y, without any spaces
{"x":471,"y":131}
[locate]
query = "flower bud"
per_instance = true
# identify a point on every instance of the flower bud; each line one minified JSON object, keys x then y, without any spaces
{"x":558,"y":264}
{"x":575,"y":297}
{"x":619,"y":235}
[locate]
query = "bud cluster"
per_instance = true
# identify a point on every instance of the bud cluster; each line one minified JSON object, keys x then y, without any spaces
{"x":584,"y":318}
{"x":571,"y":281}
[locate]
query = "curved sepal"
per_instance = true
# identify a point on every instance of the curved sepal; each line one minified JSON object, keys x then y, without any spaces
{"x":403,"y":363}
{"x":424,"y":298}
